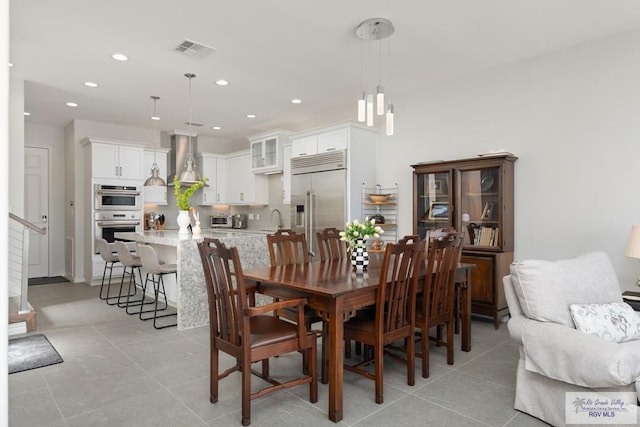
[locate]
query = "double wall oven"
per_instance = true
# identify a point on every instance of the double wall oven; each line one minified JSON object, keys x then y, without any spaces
{"x":117,"y":208}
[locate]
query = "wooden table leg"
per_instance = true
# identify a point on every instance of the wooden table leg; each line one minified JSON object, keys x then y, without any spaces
{"x":336,"y":374}
{"x":465,"y":299}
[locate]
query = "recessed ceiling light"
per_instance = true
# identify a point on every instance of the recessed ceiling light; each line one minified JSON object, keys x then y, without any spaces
{"x":222,"y":82}
{"x":296,"y":101}
{"x":26,"y":113}
{"x":91,"y":84}
{"x":251,"y":116}
{"x":119,"y":57}
{"x":155,"y":118}
{"x":216,"y":127}
{"x":71,"y":104}
{"x":10,"y":64}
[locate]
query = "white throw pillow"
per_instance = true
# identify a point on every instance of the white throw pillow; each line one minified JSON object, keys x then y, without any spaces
{"x":615,"y":322}
{"x":545,"y":288}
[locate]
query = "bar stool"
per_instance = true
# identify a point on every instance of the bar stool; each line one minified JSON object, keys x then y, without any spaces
{"x":131,"y":264}
{"x":110,"y":259}
{"x":155,"y":272}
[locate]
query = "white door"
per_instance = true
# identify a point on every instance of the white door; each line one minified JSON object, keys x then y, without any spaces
{"x":36,"y":183}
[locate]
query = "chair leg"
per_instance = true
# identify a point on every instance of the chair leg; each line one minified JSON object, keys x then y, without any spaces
{"x":157,"y":284}
{"x":324,"y":370}
{"x":410,"y":345}
{"x":425,"y":352}
{"x":132,"y":279}
{"x":107,"y":265}
{"x":379,"y":368}
{"x":313,"y":356}
{"x":116,"y":298}
{"x":450,"y":328}
{"x":213,"y":372}
{"x":246,"y":392}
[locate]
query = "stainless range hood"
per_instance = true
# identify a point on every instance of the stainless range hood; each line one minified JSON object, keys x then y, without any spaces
{"x":180,"y":153}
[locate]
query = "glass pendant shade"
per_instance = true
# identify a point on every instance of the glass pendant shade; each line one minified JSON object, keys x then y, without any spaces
{"x":390,"y":120}
{"x":362,"y":108}
{"x":380,"y":100}
{"x":370,"y":109}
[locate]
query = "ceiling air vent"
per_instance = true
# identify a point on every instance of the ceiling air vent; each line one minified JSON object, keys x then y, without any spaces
{"x":194,"y":49}
{"x":193,"y":124}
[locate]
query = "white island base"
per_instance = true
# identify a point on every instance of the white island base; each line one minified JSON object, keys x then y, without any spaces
{"x":189,"y":293}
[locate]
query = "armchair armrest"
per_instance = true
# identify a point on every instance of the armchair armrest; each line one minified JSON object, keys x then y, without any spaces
{"x":255,"y":311}
{"x":566,"y":354}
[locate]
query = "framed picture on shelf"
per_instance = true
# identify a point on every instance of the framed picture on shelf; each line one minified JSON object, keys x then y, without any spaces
{"x":437,"y":186}
{"x":439,"y":210}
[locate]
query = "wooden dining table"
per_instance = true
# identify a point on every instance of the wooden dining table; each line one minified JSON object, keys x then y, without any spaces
{"x":336,"y":291}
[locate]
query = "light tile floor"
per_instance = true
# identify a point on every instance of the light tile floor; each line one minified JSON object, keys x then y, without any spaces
{"x":119,"y":371}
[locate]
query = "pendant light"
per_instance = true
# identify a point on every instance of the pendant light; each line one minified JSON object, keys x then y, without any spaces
{"x":155,"y":180}
{"x":190,"y":174}
{"x":372,"y":103}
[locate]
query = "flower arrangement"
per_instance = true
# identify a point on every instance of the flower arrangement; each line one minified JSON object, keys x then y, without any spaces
{"x":182,"y":198}
{"x":357,"y":230}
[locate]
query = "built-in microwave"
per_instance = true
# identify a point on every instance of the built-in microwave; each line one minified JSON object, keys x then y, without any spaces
{"x":221,"y":221}
{"x":117,"y":197}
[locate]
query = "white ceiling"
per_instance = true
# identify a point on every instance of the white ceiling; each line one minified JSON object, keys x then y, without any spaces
{"x":271,"y":52}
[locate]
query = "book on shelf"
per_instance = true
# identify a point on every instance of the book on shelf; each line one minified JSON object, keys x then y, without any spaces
{"x":485,"y":236}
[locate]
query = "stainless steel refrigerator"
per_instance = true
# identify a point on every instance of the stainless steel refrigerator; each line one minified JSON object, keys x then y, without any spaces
{"x":318,"y":194}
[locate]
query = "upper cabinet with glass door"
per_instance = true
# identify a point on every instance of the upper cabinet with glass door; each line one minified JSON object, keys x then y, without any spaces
{"x":266,"y":151}
{"x":433,"y":205}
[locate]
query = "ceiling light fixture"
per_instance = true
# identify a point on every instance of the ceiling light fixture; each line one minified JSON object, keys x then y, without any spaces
{"x":71,"y":104}
{"x":251,"y":116}
{"x":296,"y":101}
{"x":216,"y":128}
{"x":91,"y":84}
{"x":155,"y":180}
{"x":26,"y":113}
{"x":190,"y":174}
{"x":371,"y":30}
{"x":119,"y":57}
{"x":222,"y":83}
{"x":10,"y":64}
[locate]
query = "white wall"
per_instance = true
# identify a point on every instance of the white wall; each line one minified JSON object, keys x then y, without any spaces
{"x":16,"y":147}
{"x":52,"y":137}
{"x":572,"y":117}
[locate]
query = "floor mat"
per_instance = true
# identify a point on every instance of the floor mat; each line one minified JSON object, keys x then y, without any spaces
{"x":46,"y":280}
{"x":31,"y":352}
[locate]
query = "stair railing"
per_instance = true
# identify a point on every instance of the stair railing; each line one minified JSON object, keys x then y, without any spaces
{"x":19,"y":230}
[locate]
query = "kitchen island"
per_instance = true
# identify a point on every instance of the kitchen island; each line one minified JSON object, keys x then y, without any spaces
{"x":188,"y":292}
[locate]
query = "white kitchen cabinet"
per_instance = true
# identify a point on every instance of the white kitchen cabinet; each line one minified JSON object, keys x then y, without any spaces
{"x":320,"y":142}
{"x":266,"y":151}
{"x":116,"y":161}
{"x":243,"y":186}
{"x":155,"y":195}
{"x":213,"y":167}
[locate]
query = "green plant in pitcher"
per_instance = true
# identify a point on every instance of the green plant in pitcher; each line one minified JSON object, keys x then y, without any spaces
{"x":182,"y":198}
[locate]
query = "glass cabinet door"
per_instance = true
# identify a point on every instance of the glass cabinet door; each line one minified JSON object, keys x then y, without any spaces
{"x":434,"y":208}
{"x":480,"y":206}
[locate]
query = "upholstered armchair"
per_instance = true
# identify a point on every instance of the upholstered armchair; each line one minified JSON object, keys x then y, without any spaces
{"x":548,"y":302}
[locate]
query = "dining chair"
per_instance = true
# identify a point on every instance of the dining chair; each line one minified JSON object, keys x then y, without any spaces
{"x":435,"y":306}
{"x":287,"y":247}
{"x":110,"y":258}
{"x":248,"y":333}
{"x":329,"y":244}
{"x":394,"y":314}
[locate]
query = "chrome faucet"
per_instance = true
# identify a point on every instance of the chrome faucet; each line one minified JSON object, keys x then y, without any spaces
{"x":279,"y":217}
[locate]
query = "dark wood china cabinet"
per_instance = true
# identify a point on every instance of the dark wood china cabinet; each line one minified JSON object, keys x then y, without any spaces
{"x":474,"y":195}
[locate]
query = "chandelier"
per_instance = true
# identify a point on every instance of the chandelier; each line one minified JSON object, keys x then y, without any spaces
{"x":371,"y":30}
